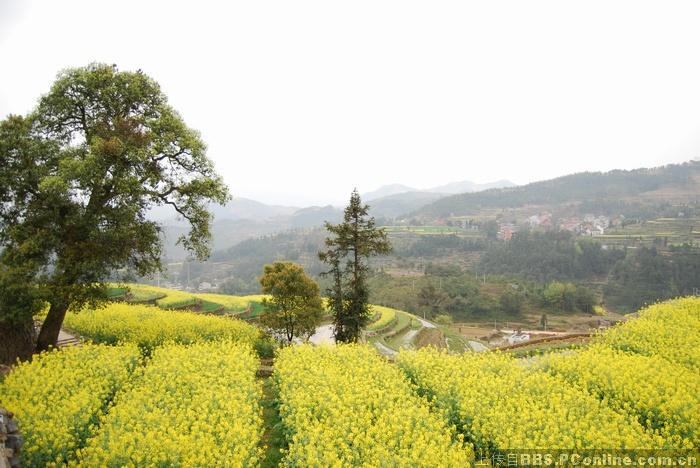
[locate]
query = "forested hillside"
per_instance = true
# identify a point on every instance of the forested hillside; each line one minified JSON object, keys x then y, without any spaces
{"x":679,"y":181}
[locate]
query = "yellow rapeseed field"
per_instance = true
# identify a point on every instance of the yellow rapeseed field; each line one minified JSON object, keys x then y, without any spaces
{"x":177,"y":299}
{"x":196,"y":405}
{"x":142,"y":292}
{"x":232,"y":303}
{"x":670,"y":330}
{"x":387,"y":315}
{"x":499,"y":404}
{"x":663,"y":396}
{"x":346,"y":406}
{"x":59,"y":396}
{"x":149,"y":327}
{"x":193,"y":398}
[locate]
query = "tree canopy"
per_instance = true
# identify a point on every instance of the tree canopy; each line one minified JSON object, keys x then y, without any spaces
{"x":78,"y":177}
{"x":295,"y":307}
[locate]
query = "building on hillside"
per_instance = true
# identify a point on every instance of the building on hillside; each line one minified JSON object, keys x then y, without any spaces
{"x":506,"y":231}
{"x":541,"y":220}
{"x":570,"y":224}
{"x":533,"y":220}
{"x":594,"y":225}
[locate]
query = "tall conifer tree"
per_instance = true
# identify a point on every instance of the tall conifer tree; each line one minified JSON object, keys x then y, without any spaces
{"x":349,"y":247}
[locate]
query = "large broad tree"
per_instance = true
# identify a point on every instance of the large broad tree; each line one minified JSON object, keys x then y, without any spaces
{"x":78,"y":176}
{"x":348,"y":249}
{"x":295,"y":307}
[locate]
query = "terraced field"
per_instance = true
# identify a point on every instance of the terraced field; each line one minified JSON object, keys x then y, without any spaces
{"x":392,"y":329}
{"x":166,"y":298}
{"x":149,"y":326}
{"x":673,"y":231}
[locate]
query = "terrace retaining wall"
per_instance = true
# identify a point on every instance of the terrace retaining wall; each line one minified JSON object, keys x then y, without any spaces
{"x":10,"y":440}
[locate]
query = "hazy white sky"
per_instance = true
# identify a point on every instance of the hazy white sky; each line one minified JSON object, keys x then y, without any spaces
{"x":301,"y":101}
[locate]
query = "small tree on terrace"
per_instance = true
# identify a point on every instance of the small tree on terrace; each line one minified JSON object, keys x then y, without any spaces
{"x":77,"y":177}
{"x":295,"y":308}
{"x":431,"y":299}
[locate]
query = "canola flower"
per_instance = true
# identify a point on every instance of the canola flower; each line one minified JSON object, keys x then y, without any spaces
{"x":142,"y":292}
{"x":232,"y":303}
{"x":149,"y":327}
{"x":663,"y":396}
{"x":499,"y":404}
{"x":195,"y":405}
{"x":345,"y":406}
{"x":164,"y":297}
{"x":670,"y":330}
{"x":387,"y":316}
{"x":58,"y":397}
{"x":175,"y":299}
{"x":167,"y":298}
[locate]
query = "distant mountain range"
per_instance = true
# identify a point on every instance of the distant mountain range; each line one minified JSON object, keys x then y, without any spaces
{"x":392,"y":206}
{"x":243,"y":218}
{"x":237,"y":208}
{"x":463,"y":186}
{"x":595,"y":192}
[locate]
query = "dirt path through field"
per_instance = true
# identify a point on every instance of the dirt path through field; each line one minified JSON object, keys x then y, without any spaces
{"x":425,"y":323}
{"x":407,"y":339}
{"x":324,"y":334}
{"x":385,"y":350}
{"x":66,"y":339}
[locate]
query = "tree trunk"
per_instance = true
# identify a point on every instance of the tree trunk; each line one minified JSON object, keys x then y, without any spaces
{"x":16,"y":341}
{"x":48,"y":336}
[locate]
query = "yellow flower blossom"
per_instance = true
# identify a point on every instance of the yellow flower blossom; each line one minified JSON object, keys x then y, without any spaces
{"x":346,"y":406}
{"x":663,"y":396}
{"x":149,"y":326}
{"x":499,"y":404}
{"x":58,"y":397}
{"x":386,"y":316}
{"x":196,"y":405}
{"x":670,"y":330}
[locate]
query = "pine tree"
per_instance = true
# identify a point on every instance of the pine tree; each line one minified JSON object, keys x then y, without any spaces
{"x":349,"y":247}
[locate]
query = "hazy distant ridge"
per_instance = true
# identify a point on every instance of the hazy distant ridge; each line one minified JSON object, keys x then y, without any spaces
{"x":447,"y":189}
